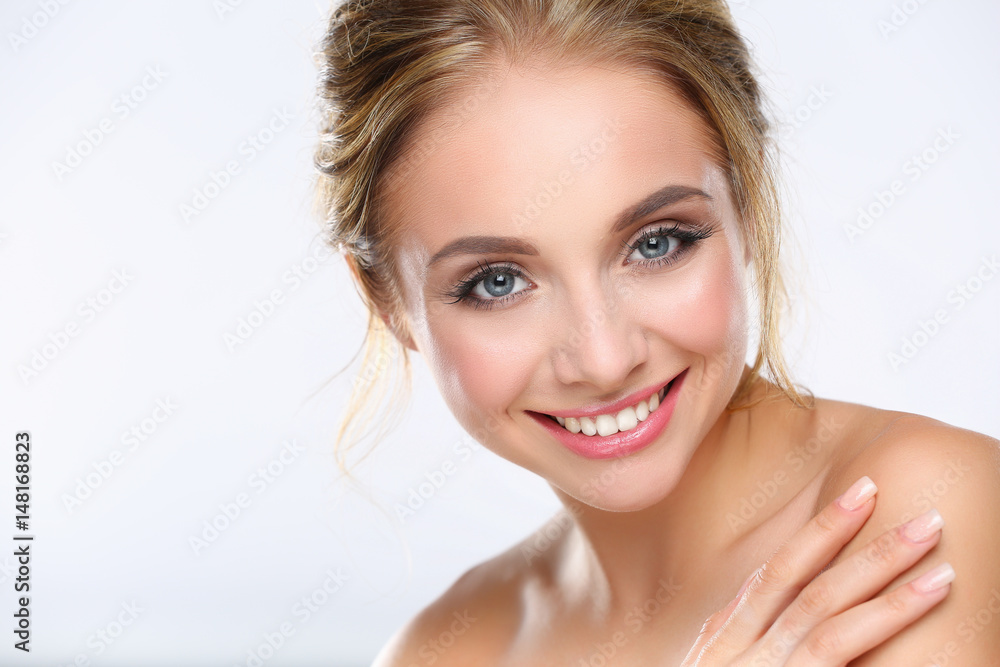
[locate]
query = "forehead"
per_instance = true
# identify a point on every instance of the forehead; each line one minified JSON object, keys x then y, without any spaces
{"x":542,"y":143}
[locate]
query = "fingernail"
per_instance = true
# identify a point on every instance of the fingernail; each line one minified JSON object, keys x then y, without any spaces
{"x":924,"y":526}
{"x":746,"y":583}
{"x":859,"y":493}
{"x":932,"y":580}
{"x":732,"y":604}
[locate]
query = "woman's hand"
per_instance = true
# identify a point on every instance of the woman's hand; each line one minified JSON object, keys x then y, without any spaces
{"x":787,"y":615}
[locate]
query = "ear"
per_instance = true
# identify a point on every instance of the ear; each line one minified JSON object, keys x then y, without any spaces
{"x":398,"y":332}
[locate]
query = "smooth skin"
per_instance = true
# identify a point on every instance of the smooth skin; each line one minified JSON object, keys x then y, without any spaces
{"x":653,"y":544}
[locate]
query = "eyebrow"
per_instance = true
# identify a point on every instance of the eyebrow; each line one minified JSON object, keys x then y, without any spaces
{"x":482,"y":245}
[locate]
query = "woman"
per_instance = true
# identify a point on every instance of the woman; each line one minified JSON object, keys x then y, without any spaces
{"x":568,"y":207}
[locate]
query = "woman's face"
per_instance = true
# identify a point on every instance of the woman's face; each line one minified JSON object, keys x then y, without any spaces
{"x":566,"y":249}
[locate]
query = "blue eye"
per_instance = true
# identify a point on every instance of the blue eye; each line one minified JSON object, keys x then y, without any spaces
{"x":663,"y":245}
{"x":655,"y":246}
{"x":492,"y":284}
{"x":496,"y":284}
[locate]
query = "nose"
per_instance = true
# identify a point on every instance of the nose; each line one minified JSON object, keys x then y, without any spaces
{"x":600,"y":343}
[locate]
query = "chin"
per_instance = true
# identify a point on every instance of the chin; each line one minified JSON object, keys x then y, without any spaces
{"x":627,"y":499}
{"x":629,"y":484}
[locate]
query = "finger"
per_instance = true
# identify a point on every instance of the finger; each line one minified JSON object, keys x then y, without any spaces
{"x":862,"y":628}
{"x":855,"y":580}
{"x":706,"y":633}
{"x":711,"y":626}
{"x":796,"y":563}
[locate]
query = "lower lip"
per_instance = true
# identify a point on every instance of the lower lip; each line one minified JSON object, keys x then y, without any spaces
{"x":621,"y":443}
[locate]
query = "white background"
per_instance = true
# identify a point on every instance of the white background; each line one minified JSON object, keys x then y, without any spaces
{"x":191,"y":282}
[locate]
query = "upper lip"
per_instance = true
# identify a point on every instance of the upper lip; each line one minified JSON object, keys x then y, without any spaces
{"x":613,"y":407}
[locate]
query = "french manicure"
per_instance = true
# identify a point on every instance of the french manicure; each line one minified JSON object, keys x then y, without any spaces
{"x":924,"y":526}
{"x":934,"y":579}
{"x":858,"y":494}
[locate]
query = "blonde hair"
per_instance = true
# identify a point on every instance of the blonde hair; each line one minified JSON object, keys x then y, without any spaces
{"x":387,"y":64}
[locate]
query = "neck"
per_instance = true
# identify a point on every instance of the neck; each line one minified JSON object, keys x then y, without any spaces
{"x":618,"y":558}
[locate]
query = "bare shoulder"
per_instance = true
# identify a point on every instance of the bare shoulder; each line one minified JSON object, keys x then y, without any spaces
{"x":910,"y":454}
{"x":921,"y":464}
{"x":477,"y":619}
{"x":470,"y":623}
{"x":918,"y":463}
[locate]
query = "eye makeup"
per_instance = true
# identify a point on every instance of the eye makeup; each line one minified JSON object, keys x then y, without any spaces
{"x":672,"y":239}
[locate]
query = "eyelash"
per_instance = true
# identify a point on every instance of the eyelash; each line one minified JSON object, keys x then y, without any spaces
{"x":688,"y":239}
{"x":462,"y":290}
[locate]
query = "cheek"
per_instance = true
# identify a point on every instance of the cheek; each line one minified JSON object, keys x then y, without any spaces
{"x":481,"y":365}
{"x":477,"y":365}
{"x":705,"y":312}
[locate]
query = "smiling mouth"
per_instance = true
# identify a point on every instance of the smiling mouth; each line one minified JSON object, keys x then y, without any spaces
{"x":610,"y":423}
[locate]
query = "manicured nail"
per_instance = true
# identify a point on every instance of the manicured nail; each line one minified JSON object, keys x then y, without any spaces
{"x":732,"y":604}
{"x":746,"y":583}
{"x":934,"y":579}
{"x":860,"y":492}
{"x":924,"y":526}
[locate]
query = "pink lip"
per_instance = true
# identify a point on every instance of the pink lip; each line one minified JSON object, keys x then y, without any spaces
{"x":611,"y":408}
{"x":619,"y":444}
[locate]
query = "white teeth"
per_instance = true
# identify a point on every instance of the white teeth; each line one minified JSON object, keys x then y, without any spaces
{"x":626,"y":420}
{"x":605,"y":425}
